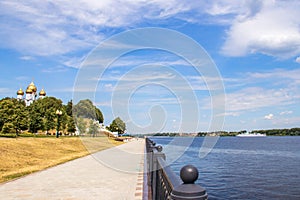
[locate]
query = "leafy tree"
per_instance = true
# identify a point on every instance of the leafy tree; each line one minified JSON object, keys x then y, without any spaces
{"x":71,"y":128}
{"x":68,"y":108}
{"x":20,"y":117}
{"x":93,"y":128}
{"x":8,"y":128}
{"x":86,"y":109}
{"x":6,"y":111}
{"x":99,"y":115}
{"x":36,"y":121}
{"x":117,"y":125}
{"x":42,"y":114}
{"x":242,"y":132}
{"x":14,"y":112}
{"x":295,"y":131}
{"x":49,"y":120}
{"x":81,"y":125}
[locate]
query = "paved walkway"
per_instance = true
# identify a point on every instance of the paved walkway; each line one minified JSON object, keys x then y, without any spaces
{"x":115,"y":173}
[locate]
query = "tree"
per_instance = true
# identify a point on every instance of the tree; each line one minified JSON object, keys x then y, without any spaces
{"x":81,"y":125}
{"x":69,"y":108}
{"x":99,"y":115}
{"x":50,"y":120}
{"x":42,"y":114}
{"x":20,"y":117}
{"x":117,"y":125}
{"x":6,"y":111}
{"x":13,"y":112}
{"x":36,"y":120}
{"x":71,"y":128}
{"x":86,"y":109}
{"x":63,"y":120}
{"x":93,"y":128}
{"x":8,"y":128}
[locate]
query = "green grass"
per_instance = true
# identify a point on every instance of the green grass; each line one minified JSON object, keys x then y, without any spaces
{"x":8,"y":135}
{"x":16,"y":175}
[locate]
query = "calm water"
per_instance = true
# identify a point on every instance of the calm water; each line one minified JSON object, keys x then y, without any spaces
{"x":244,"y":168}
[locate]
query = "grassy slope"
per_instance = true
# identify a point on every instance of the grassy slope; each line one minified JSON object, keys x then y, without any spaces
{"x":21,"y":156}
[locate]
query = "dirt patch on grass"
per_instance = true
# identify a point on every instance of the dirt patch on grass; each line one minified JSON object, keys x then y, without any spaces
{"x":21,"y":156}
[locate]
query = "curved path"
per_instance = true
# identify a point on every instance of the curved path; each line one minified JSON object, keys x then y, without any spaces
{"x":115,"y":173}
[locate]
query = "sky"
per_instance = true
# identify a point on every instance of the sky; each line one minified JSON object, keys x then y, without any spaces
{"x":162,"y":66}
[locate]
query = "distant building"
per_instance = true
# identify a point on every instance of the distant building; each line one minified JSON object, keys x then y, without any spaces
{"x":31,"y":94}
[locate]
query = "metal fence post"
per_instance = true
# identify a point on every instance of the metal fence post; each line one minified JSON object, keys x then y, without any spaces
{"x":157,"y":153}
{"x":189,"y":190}
{"x":164,"y":184}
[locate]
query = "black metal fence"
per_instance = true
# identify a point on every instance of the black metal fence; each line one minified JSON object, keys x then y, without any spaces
{"x":164,"y":184}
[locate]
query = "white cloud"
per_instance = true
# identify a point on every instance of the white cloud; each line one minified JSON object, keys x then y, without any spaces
{"x":54,"y":69}
{"x":288,"y":112}
{"x":261,"y":90}
{"x":227,"y":7}
{"x":60,"y":27}
{"x":273,"y":30}
{"x":298,"y":59}
{"x":44,"y":28}
{"x":233,"y":114}
{"x":73,"y":62}
{"x":285,"y":122}
{"x":108,"y":87}
{"x":253,"y":98}
{"x":269,"y":116}
{"x":276,"y":73}
{"x":27,"y":58}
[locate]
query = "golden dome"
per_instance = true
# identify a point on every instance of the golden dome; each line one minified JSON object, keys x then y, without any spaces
{"x":20,"y":92}
{"x":28,"y":91}
{"x":42,"y":92}
{"x":32,"y":87}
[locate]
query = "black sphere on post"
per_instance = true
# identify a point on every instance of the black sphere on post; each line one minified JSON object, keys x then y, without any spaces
{"x":189,"y":174}
{"x":159,"y":148}
{"x":189,"y":190}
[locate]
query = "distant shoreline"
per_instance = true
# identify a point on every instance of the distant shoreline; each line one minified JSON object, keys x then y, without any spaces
{"x":268,"y":132}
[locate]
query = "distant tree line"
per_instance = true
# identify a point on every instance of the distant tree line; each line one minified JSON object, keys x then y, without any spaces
{"x":270,"y":132}
{"x":41,"y":115}
{"x":166,"y":134}
{"x":15,"y":117}
{"x":279,"y":132}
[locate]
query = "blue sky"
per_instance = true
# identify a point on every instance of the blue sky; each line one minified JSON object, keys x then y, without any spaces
{"x":255,"y":46}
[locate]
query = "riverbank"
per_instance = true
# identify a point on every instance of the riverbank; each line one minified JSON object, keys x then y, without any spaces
{"x":22,"y":156}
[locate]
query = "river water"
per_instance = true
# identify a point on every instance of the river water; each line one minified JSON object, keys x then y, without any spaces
{"x":242,"y":168}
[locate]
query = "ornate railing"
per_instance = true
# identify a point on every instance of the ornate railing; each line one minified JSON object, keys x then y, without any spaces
{"x":164,"y":184}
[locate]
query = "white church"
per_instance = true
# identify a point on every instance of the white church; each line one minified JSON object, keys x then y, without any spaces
{"x":31,"y":94}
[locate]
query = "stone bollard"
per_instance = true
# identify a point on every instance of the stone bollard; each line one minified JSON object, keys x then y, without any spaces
{"x":189,"y":190}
